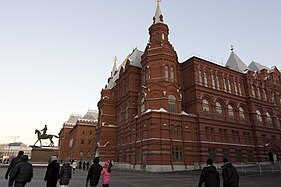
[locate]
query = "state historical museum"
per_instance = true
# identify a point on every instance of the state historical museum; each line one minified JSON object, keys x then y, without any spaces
{"x":157,"y":114}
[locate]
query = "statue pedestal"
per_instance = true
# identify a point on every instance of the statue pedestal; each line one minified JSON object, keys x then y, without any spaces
{"x":42,"y":155}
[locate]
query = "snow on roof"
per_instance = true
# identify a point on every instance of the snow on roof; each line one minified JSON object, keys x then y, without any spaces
{"x":187,"y":114}
{"x":157,"y":18}
{"x":257,"y":66}
{"x":134,"y":59}
{"x":91,"y":115}
{"x":235,"y":63}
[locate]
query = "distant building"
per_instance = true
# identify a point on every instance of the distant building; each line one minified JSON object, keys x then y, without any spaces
{"x":77,"y":137}
{"x":8,"y":151}
{"x":157,"y":114}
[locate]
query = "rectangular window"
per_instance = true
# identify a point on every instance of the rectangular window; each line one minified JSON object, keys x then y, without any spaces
{"x":238,"y":154}
{"x":235,"y":136}
{"x":223,"y":135}
{"x":225,"y":153}
{"x":247,"y":137}
{"x":250,"y":156}
{"x":177,"y":154}
{"x":212,"y":153}
{"x":210,"y":134}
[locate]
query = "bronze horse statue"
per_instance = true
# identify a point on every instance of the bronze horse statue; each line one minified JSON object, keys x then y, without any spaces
{"x":44,"y":136}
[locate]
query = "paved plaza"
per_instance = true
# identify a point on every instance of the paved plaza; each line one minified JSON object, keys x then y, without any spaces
{"x":146,"y":179}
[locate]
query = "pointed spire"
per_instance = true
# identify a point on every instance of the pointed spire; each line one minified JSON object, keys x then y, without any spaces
{"x":158,"y":18}
{"x":235,"y":63}
{"x":114,"y":69}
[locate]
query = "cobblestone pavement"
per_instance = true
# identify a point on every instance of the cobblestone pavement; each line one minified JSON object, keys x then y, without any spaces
{"x":146,"y":179}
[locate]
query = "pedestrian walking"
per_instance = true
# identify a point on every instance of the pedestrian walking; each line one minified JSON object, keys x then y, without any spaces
{"x":229,"y":174}
{"x":11,"y":166}
{"x":74,"y":165}
{"x":84,"y":165}
{"x":52,"y":173}
{"x":106,"y":171}
{"x":94,"y":173}
{"x":80,"y":164}
{"x":22,"y":173}
{"x":65,"y":174}
{"x":209,"y":175}
{"x":88,"y":165}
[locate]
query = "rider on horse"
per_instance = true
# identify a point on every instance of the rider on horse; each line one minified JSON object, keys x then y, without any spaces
{"x":44,"y":130}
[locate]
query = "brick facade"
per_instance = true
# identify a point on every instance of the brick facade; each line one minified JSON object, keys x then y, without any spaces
{"x":158,"y":114}
{"x":77,"y":139}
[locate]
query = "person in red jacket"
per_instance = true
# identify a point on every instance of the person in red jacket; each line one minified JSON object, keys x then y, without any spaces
{"x":106,"y":174}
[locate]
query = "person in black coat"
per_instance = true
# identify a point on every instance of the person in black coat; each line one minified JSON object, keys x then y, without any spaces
{"x":52,"y":173}
{"x":22,"y":172}
{"x":11,"y":166}
{"x":229,"y":174}
{"x":94,"y":173}
{"x":84,"y":165}
{"x":65,"y":174}
{"x":209,"y":175}
{"x":88,"y":164}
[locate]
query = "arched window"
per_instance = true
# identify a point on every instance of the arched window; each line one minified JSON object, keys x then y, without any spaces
{"x":259,"y":117}
{"x":269,"y":119}
{"x":253,"y":91}
{"x":242,"y":115}
{"x":224,"y":85}
{"x":264,"y":94}
{"x":172,"y":103}
{"x":235,"y":88}
{"x":239,"y":88}
{"x":273,"y":97}
{"x":258,"y":93}
{"x":218,"y":83}
{"x":172,"y":77}
{"x":166,"y":72}
{"x":213,"y":82}
{"x":142,"y":105}
{"x":206,"y":108}
{"x":219,"y":110}
{"x":230,"y":113}
{"x":200,"y":77}
{"x":229,"y":86}
{"x":205,"y":79}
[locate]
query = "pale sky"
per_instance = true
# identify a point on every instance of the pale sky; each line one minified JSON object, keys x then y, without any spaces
{"x":56,"y":56}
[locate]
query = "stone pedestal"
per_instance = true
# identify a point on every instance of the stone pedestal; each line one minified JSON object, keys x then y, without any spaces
{"x":42,"y":155}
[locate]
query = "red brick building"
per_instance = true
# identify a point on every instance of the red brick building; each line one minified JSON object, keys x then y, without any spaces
{"x":77,"y":137}
{"x":158,"y":114}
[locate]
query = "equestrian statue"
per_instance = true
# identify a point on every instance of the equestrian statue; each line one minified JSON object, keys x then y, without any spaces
{"x":44,"y":136}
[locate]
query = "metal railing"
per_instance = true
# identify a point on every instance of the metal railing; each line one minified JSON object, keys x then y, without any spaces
{"x":259,"y":167}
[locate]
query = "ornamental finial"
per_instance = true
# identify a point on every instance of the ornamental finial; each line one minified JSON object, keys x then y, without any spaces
{"x":231,"y":48}
{"x":115,"y":59}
